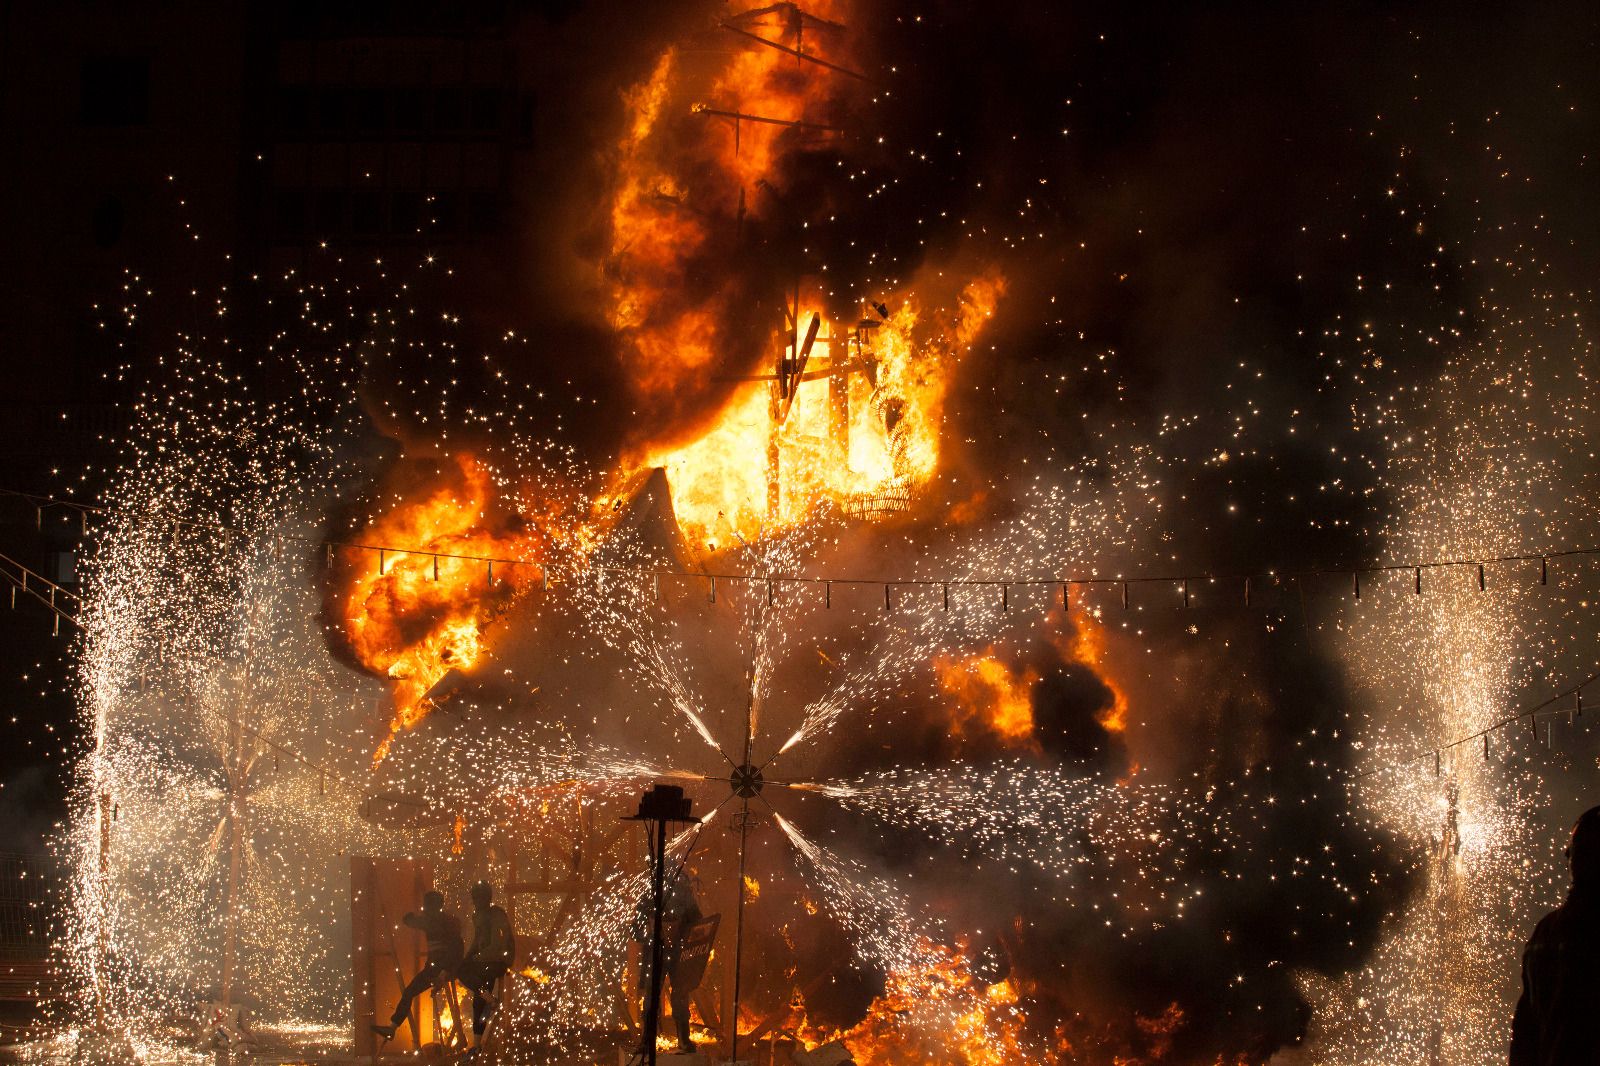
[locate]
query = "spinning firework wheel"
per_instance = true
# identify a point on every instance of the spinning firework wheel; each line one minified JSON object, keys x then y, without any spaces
{"x":747,"y":871}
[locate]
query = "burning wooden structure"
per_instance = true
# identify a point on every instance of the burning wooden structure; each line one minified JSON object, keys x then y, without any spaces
{"x":832,"y":407}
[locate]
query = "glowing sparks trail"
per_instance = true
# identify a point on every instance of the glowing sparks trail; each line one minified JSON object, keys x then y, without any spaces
{"x":1453,"y":662}
{"x":932,"y":993}
{"x":578,"y":976}
{"x":193,"y":839}
{"x":869,"y":909}
{"x":1051,"y":530}
{"x":516,"y":757}
{"x":1043,"y":815}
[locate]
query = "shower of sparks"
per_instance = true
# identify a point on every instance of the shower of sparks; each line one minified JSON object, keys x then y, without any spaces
{"x":200,"y":834}
{"x":173,"y":620}
{"x":193,"y":838}
{"x":942,"y":1003}
{"x":1063,"y":824}
{"x":624,"y":624}
{"x":512,"y":758}
{"x":578,"y":983}
{"x":1495,"y":457}
{"x":1054,"y":534}
{"x":870,"y":909}
{"x":626,"y":617}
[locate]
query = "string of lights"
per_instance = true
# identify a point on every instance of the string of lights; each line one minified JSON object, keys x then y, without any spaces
{"x":32,"y":583}
{"x":1531,"y":715}
{"x":1185,"y":584}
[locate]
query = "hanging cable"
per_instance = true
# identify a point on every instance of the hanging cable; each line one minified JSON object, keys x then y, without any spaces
{"x":1415,"y":566}
{"x":1528,"y":714}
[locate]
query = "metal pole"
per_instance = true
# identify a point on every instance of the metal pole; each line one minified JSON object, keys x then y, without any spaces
{"x":237,"y":773}
{"x":102,"y":917}
{"x":652,"y":1019}
{"x":744,"y":831}
{"x":235,"y":835}
{"x":738,"y":937}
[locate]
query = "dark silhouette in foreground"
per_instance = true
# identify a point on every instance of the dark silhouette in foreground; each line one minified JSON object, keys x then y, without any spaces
{"x":1558,"y":1017}
{"x":443,"y":932}
{"x":493,"y":950}
{"x":686,"y":938}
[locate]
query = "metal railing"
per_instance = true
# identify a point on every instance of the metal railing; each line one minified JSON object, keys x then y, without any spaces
{"x":29,"y":890}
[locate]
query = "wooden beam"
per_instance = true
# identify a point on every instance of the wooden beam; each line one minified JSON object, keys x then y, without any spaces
{"x":794,"y":373}
{"x":740,"y":116}
{"x":806,"y":56}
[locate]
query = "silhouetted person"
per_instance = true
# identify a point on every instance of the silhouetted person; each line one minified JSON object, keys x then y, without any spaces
{"x":1558,"y":1017}
{"x":493,"y":950}
{"x":679,"y":913}
{"x":443,"y":932}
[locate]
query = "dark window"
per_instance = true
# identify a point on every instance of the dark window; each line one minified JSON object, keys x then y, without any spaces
{"x":447,"y":108}
{"x":370,"y":110}
{"x":331,"y":108}
{"x":328,"y":211}
{"x":485,"y":207}
{"x":106,"y":222}
{"x":294,"y":107}
{"x":444,"y":211}
{"x":485,"y":109}
{"x":410,"y":104}
{"x":526,"y":126}
{"x":366,"y":211}
{"x":405,"y":213}
{"x":290,"y":212}
{"x":64,"y":567}
{"x":115,"y":91}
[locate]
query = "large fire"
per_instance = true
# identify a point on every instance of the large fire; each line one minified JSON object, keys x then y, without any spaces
{"x":861,"y":423}
{"x":883,"y":439}
{"x":416,"y":614}
{"x":863,"y":420}
{"x":756,"y":421}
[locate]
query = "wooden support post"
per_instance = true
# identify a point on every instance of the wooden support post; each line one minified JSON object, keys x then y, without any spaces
{"x":839,"y":402}
{"x":774,"y":456}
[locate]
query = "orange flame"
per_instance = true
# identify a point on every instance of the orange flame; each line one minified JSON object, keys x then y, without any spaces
{"x":1088,"y":645}
{"x":891,"y":421}
{"x":939,"y":1011}
{"x":866,"y":428}
{"x":987,"y":1025}
{"x":414,"y":615}
{"x":995,"y":699}
{"x":740,"y":460}
{"x":990,"y":697}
